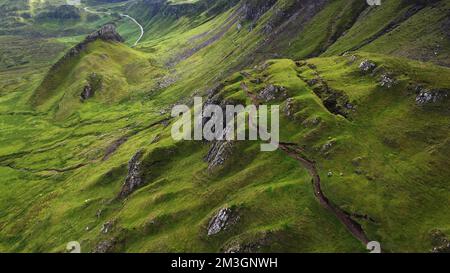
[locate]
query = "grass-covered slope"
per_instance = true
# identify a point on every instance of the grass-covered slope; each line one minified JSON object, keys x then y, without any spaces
{"x":379,"y":140}
{"x":121,"y":72}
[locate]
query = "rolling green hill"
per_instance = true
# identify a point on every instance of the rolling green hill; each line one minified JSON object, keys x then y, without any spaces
{"x":86,"y":152}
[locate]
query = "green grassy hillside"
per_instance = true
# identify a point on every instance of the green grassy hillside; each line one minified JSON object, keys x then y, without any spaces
{"x":379,"y":139}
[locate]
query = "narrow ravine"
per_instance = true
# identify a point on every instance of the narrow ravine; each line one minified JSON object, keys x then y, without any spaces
{"x":297,"y":153}
{"x":141,"y":28}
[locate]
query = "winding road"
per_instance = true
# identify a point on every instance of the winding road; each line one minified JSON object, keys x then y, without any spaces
{"x":141,"y":28}
{"x":297,"y":153}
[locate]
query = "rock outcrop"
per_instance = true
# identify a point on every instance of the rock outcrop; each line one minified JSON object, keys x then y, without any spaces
{"x":272,"y":92}
{"x":336,"y":101}
{"x":94,"y":84}
{"x":387,"y":81}
{"x":244,"y":248}
{"x":290,"y":108}
{"x":367,"y":66}
{"x":222,"y":220}
{"x":253,"y":10}
{"x":134,"y":179}
{"x":105,"y":246}
{"x":218,"y":153}
{"x":220,"y":150}
{"x":440,"y":242}
{"x":254,"y":245}
{"x":107,"y":33}
{"x":442,"y":249}
{"x":87,"y":93}
{"x":428,"y":96}
{"x":107,"y":227}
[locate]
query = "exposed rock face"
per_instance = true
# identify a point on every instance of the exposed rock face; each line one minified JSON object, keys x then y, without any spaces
{"x":218,"y":153}
{"x":134,"y":179}
{"x":289,"y":109}
{"x":337,"y":102}
{"x":387,"y":81}
{"x":427,"y":96}
{"x":245,"y":248}
{"x":328,"y":146}
{"x":94,"y":84}
{"x":166,"y":81}
{"x":367,"y":66}
{"x":253,"y":10}
{"x":107,"y":33}
{"x":220,"y":150}
{"x":352,"y":59}
{"x":313,"y":82}
{"x":105,"y":246}
{"x":87,"y":93}
{"x":442,"y":249}
{"x":311,"y":122}
{"x":248,"y":247}
{"x":440,"y":242}
{"x":271,"y":92}
{"x":213,"y":97}
{"x":107,"y":227}
{"x":222,"y":220}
